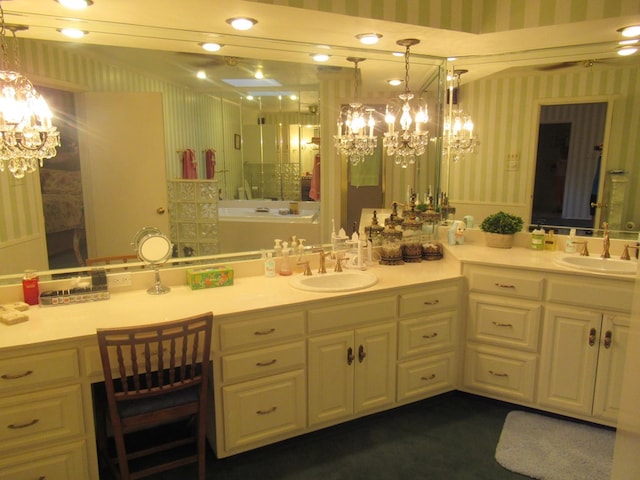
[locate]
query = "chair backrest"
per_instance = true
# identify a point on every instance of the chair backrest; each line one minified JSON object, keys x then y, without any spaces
{"x":90,"y":262}
{"x":152,"y":360}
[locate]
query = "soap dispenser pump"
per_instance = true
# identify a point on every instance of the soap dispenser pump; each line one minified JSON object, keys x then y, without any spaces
{"x":285,"y":261}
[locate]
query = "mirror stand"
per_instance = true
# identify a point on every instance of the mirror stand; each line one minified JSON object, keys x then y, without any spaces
{"x":157,"y":288}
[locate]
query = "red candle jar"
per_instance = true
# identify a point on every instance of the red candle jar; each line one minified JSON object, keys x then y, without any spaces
{"x":30,"y":288}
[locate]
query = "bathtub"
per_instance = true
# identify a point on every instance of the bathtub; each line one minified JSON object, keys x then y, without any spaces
{"x":245,"y":225}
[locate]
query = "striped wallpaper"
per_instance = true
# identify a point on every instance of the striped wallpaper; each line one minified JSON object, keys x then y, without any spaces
{"x":473,"y":16}
{"x":504,"y":110}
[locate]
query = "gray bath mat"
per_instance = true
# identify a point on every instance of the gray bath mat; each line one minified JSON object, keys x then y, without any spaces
{"x":547,"y":448}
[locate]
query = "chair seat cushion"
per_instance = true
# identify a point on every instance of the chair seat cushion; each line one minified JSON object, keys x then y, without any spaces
{"x":153,"y":404}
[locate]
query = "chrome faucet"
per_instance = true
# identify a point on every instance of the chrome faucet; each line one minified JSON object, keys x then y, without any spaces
{"x":606,"y":243}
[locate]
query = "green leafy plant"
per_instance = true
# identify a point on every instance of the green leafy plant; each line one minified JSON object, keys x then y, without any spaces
{"x":502,"y":222}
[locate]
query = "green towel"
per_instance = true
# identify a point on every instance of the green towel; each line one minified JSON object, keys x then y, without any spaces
{"x":367,"y":173}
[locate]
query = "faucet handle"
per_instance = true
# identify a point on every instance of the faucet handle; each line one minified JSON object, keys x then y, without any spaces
{"x":307,"y":268}
{"x":585,"y":250}
{"x":625,"y":253}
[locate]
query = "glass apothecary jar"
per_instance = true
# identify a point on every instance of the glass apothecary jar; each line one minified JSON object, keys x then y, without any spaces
{"x":412,"y":239}
{"x":391,"y":250}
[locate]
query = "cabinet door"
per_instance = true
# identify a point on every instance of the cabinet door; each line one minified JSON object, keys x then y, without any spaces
{"x":330,"y":377}
{"x":569,"y":357}
{"x":375,"y":379}
{"x":613,"y":348}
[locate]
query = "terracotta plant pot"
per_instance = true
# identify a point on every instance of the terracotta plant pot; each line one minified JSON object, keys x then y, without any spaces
{"x":498,"y":240}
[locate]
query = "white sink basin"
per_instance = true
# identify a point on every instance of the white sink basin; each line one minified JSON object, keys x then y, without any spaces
{"x":334,"y":282}
{"x":598,"y":264}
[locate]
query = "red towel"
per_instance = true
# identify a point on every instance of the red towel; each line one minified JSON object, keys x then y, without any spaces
{"x":314,"y":190}
{"x":189,"y":166}
{"x":210,"y":163}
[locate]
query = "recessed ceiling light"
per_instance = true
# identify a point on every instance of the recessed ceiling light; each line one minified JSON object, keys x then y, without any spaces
{"x":75,"y":4}
{"x":72,"y":32}
{"x":630,"y":31}
{"x":259,"y":74}
{"x":628,"y":50}
{"x":369,"y":38}
{"x":394,"y":82}
{"x":211,"y":46}
{"x":320,"y":57}
{"x":201,"y":74}
{"x":451,"y":59}
{"x":242,"y":23}
{"x":632,"y":41}
{"x":398,"y":54}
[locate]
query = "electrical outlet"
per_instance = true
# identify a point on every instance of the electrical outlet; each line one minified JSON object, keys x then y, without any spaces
{"x":119,"y":280}
{"x":513,"y":162}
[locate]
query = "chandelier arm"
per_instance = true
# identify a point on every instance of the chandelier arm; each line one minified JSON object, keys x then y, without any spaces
{"x":16,"y":55}
{"x":3,"y":40}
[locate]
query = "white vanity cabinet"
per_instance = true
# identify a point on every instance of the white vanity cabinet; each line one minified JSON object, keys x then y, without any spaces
{"x":503,"y":332}
{"x":259,"y":380}
{"x":584,"y":345}
{"x":42,"y":422}
{"x":352,"y":356}
{"x":427,"y":341}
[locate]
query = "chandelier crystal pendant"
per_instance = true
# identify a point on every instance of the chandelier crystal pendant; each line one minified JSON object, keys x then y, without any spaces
{"x":26,"y":134}
{"x":411,"y":139}
{"x":458,"y":135}
{"x":355,"y":139}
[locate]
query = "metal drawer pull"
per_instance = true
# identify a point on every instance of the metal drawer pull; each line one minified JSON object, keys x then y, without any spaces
{"x":497,"y":374}
{"x":264,"y":332}
{"x":18,"y":426}
{"x":266,"y":412}
{"x":502,"y":285}
{"x":361,"y":354}
{"x":8,"y":376}
{"x":592,"y":337}
{"x":498,"y":324}
{"x":430,"y":377}
{"x":433,"y":302}
{"x":350,"y":356}
{"x":432,"y":335}
{"x":266,"y":364}
{"x":607,"y":339}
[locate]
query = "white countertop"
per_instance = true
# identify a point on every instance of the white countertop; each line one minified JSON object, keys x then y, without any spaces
{"x":249,"y":293}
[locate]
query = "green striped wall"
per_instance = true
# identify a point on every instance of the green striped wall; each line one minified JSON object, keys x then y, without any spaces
{"x":504,"y":113}
{"x":473,"y":16}
{"x":191,"y":120}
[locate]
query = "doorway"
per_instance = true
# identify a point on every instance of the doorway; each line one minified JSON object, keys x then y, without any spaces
{"x":567,"y":176}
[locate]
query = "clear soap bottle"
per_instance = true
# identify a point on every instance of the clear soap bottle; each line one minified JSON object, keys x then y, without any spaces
{"x":269,"y":266}
{"x":285,"y":260}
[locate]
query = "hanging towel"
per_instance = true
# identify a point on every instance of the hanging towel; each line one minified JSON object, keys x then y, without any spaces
{"x":189,"y":166}
{"x":314,"y":190}
{"x":367,"y":173}
{"x":210,"y":163}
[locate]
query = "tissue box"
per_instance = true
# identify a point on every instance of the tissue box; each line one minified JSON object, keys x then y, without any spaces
{"x":209,"y":277}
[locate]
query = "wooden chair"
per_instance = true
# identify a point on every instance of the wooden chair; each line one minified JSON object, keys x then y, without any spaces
{"x":155,"y":375}
{"x":116,"y":259}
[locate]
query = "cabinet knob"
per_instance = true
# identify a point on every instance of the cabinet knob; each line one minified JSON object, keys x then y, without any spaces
{"x":592,"y":337}
{"x":361,"y":354}
{"x":607,"y":339}
{"x":350,"y":356}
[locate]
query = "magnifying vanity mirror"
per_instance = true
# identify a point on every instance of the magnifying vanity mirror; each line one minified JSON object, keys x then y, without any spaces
{"x":154,"y":248}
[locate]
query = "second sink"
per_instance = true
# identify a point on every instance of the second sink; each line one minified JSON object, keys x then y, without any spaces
{"x":597,"y":264}
{"x":334,"y":282}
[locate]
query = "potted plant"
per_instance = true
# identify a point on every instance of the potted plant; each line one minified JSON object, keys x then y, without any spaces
{"x":499,"y":229}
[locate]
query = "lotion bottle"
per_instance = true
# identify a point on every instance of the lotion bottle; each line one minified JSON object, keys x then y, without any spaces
{"x":269,"y":266}
{"x":285,"y":261}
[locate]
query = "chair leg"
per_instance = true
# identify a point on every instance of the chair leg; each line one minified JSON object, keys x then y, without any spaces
{"x":123,"y":463}
{"x":202,"y":446}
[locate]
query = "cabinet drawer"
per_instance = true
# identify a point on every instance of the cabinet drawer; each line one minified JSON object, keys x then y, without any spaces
{"x":351,"y":314}
{"x":506,"y":282}
{"x":266,"y":361}
{"x":592,"y":293}
{"x":419,"y":336}
{"x":38,"y":369}
{"x":258,"y":410}
{"x":47,"y":415}
{"x":257,"y":331}
{"x":429,"y":300}
{"x":427,"y":376}
{"x":504,"y":322}
{"x":504,"y":373}
{"x":57,"y":463}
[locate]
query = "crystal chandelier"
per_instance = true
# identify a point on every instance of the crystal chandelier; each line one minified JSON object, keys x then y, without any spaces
{"x":355,"y":138}
{"x":407,"y":143}
{"x":458,"y":135}
{"x":26,"y":134}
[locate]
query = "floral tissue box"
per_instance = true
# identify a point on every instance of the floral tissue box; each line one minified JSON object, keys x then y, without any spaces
{"x":209,"y":277}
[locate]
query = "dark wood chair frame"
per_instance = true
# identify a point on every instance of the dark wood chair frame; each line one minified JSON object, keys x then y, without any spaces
{"x":166,"y":372}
